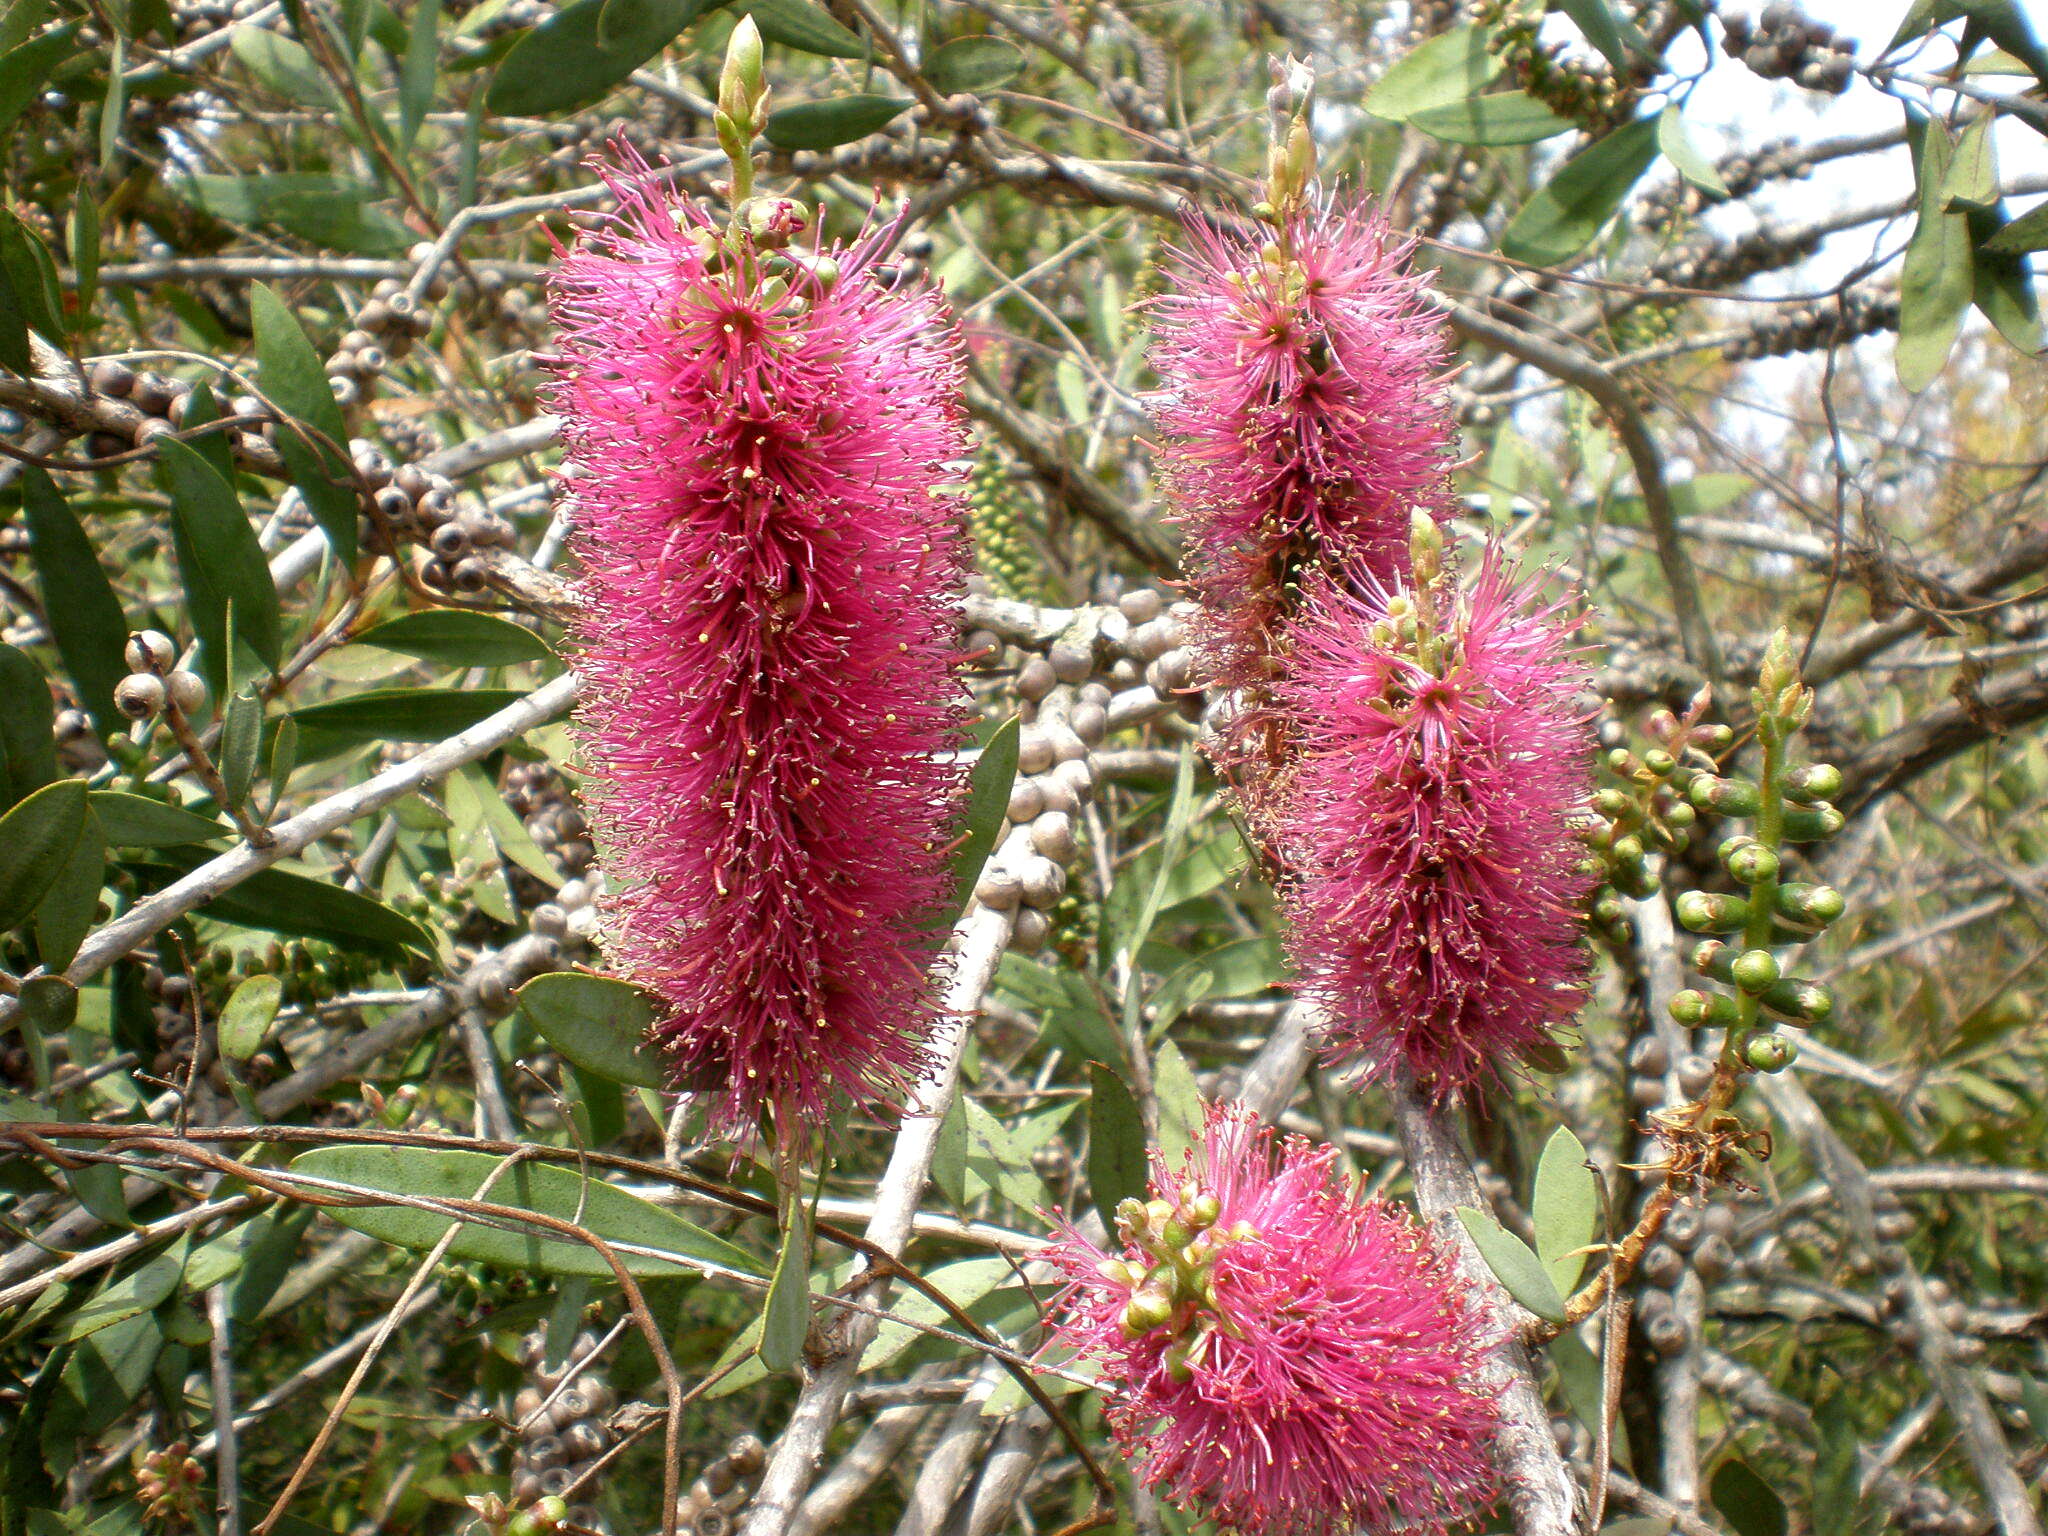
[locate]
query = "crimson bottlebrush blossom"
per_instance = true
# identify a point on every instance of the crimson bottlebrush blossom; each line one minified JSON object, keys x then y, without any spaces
{"x":1304,"y":417}
{"x":1279,"y":1353}
{"x":1436,"y":890}
{"x":768,"y":557}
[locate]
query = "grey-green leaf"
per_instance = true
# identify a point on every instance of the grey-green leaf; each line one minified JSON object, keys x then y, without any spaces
{"x":841,"y":120}
{"x":28,"y":747}
{"x":219,"y":562}
{"x":136,"y":821}
{"x":801,"y":25}
{"x":974,"y":64}
{"x":1938,"y":278}
{"x":65,"y":914}
{"x":1514,"y":1265}
{"x":1749,"y":1504}
{"x":248,"y":1016}
{"x":1182,"y":1109}
{"x":1565,"y":1208}
{"x":988,"y":800}
{"x":1503,"y":118}
{"x":1116,"y":1143}
{"x":291,"y":375}
{"x":1446,"y":69}
{"x":395,"y":714}
{"x":338,"y":212}
{"x":85,"y":618}
{"x":597,"y":1023}
{"x":564,"y":63}
{"x":607,"y":1212}
{"x":454,"y":637}
{"x":36,"y":839}
{"x":1680,"y":150}
{"x":786,"y":1318}
{"x":1563,"y":215}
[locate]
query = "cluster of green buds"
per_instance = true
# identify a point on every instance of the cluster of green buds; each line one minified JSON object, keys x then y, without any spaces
{"x":543,"y":1517}
{"x":1291,"y":156}
{"x":1788,"y":804}
{"x":1412,"y":620}
{"x":742,"y":106}
{"x":995,"y":518}
{"x":1175,"y":1287}
{"x":1644,"y":808}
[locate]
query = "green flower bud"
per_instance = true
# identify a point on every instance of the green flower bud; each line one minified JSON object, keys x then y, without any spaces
{"x":1725,"y":797}
{"x":1811,"y":823}
{"x":1680,"y":814}
{"x":1147,"y":1310}
{"x":1659,"y":762}
{"x":1713,"y":958}
{"x":1813,"y":782}
{"x":1754,"y":970}
{"x":1798,"y":1001}
{"x":1612,"y":804}
{"x":1201,"y":1212}
{"x":1753,"y":864}
{"x":1710,"y":912}
{"x":1770,"y":1053}
{"x":1623,"y":762}
{"x":1810,"y":906}
{"x":1628,"y":849}
{"x":1696,"y":1009}
{"x":1425,"y":547}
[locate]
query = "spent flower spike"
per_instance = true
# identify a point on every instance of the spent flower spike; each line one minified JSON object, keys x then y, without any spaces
{"x":1282,"y":1354}
{"x":769,"y":549}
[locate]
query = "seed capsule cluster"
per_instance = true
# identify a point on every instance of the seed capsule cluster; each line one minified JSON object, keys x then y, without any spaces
{"x":1696,"y":1239}
{"x":562,"y":1428}
{"x":155,"y":682}
{"x":1782,"y":44}
{"x":137,"y":408}
{"x":711,"y":1504}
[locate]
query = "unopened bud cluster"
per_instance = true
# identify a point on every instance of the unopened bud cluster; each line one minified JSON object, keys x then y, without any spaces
{"x":1645,"y":810}
{"x":167,"y":1484}
{"x":1174,"y":1287}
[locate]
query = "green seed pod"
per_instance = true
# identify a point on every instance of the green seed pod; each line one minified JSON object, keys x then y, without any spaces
{"x":1798,"y":1001}
{"x":1622,"y":762}
{"x":1696,"y":1009}
{"x":1679,"y":814}
{"x":1813,"y":782}
{"x":1811,"y":823}
{"x":1754,"y":970}
{"x":1612,"y":804}
{"x":1607,"y":909}
{"x":1771,"y":1053}
{"x":1659,"y":762}
{"x":1628,"y":849}
{"x":1725,"y":797}
{"x":1810,"y":906}
{"x":1709,"y":912}
{"x":1713,"y":958}
{"x":1753,"y":864}
{"x":1635,"y":880}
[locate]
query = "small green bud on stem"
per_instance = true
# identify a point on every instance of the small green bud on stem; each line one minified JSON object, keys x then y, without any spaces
{"x":1710,"y":912}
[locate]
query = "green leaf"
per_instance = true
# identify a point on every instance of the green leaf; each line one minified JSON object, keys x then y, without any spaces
{"x":973,"y":64}
{"x":1182,"y":1110}
{"x":113,"y":112}
{"x":988,"y":801}
{"x":1514,"y":1265}
{"x":2002,"y":285}
{"x":1972,"y":180}
{"x":1837,"y":1476}
{"x":1236,"y":969}
{"x":18,"y":20}
{"x":1565,"y":1209}
{"x":1938,"y":278}
{"x":964,"y":1283}
{"x":1448,"y":68}
{"x":395,"y":714}
{"x":454,"y":637}
{"x":2001,"y":21}
{"x":28,"y":749}
{"x":786,"y":1318}
{"x":133,"y":1294}
{"x":803,"y":26}
{"x":1748,"y":1503}
{"x":1506,"y":117}
{"x":416,"y":75}
{"x":290,"y":372}
{"x":26,"y":69}
{"x":2028,"y":232}
{"x":1116,"y":1143}
{"x":563,"y":63}
{"x":136,"y":821}
{"x":65,"y":914}
{"x":608,"y":1212}
{"x":219,"y":562}
{"x":336,"y":212}
{"x":28,"y":292}
{"x":1564,"y":214}
{"x":85,"y":618}
{"x":282,"y":901}
{"x":84,"y":233}
{"x":282,"y":65}
{"x":106,"y":1373}
{"x":36,"y":839}
{"x":841,"y":120}
{"x":514,"y":843}
{"x":1680,"y":150}
{"x":595,"y":1023}
{"x":241,"y":738}
{"x":247,"y":1018}
{"x":1606,"y":29}
{"x":49,"y":1004}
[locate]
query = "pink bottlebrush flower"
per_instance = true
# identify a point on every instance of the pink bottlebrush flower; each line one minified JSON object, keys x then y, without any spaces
{"x":1283,"y":1355}
{"x":768,"y":562}
{"x":1436,"y":888}
{"x":1304,"y":417}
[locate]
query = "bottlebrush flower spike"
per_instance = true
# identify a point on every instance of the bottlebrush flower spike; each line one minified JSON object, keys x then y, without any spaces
{"x":764,"y":630}
{"x":1303,"y":414}
{"x":1281,"y":1354}
{"x":1436,"y":883}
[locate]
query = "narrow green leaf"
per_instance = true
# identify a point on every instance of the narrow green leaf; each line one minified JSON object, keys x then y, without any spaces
{"x":1182,"y":1110}
{"x":454,"y":637}
{"x":84,"y":226}
{"x":395,"y":714}
{"x":1972,"y":180}
{"x":1505,"y":117}
{"x":136,"y":821}
{"x":596,"y":1023}
{"x":1448,"y":68}
{"x":801,"y":25}
{"x":562,"y":63}
{"x":2028,"y":232}
{"x":106,"y":1373}
{"x":1116,"y":1143}
{"x":2002,"y":285}
{"x":28,"y":292}
{"x":28,"y":745}
{"x":18,"y":21}
{"x":114,"y":109}
{"x":283,"y":66}
{"x":291,"y":375}
{"x":974,"y":64}
{"x":336,"y":212}
{"x":1680,"y":150}
{"x":284,"y":901}
{"x":219,"y":562}
{"x":133,"y":1294}
{"x":608,"y":1212}
{"x":963,"y":1282}
{"x":988,"y":800}
{"x":248,"y":1016}
{"x":1748,"y":1502}
{"x":26,"y":69}
{"x":65,"y":914}
{"x":241,"y":739}
{"x":85,"y":618}
{"x":1564,"y":214}
{"x":416,"y":75}
{"x":1565,"y":1209}
{"x":786,"y":1318}
{"x":1607,"y":29}
{"x":36,"y":839}
{"x":1938,"y":278}
{"x":514,"y":843}
{"x":1514,"y":1265}
{"x":840,"y":120}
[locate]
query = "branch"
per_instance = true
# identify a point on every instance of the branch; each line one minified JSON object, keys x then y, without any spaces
{"x":1928,"y":740}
